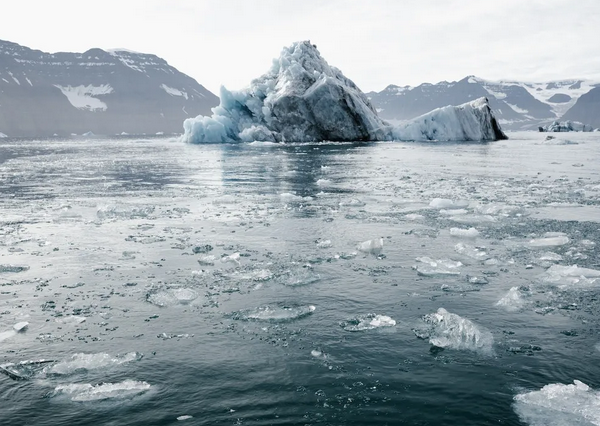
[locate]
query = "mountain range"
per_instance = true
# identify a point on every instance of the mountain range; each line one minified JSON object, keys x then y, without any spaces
{"x":518,"y":105}
{"x":98,"y":91}
{"x":124,"y":92}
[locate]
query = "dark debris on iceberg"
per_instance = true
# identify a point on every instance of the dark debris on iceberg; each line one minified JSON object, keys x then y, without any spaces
{"x":304,"y":99}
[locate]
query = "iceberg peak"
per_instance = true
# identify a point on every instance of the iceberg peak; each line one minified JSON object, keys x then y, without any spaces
{"x":301,"y":98}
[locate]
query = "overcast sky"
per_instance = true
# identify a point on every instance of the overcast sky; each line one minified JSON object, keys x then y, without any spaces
{"x":374,"y":42}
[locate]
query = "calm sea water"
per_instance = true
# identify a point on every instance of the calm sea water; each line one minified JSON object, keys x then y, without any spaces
{"x":258,"y":284}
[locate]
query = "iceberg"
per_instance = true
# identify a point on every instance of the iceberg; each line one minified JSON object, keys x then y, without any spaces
{"x":558,"y":404}
{"x":451,"y":331}
{"x":566,"y":126}
{"x":304,"y":99}
{"x":471,"y":121}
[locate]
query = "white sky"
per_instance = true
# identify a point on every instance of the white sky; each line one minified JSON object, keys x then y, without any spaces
{"x":374,"y":42}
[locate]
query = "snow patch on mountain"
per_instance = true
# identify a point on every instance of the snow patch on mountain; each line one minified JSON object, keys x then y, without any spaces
{"x":173,"y":92}
{"x":82,"y":97}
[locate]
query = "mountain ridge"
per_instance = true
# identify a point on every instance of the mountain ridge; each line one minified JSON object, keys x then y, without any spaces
{"x":518,"y":105}
{"x":98,"y":91}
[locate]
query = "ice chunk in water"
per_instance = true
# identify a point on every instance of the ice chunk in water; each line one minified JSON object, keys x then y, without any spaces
{"x":452,"y":331}
{"x":71,"y":319}
{"x":186,"y":417}
{"x":82,"y":361}
{"x":574,"y":277}
{"x":371,"y":246}
{"x":13,"y":268}
{"x":83,"y":392}
{"x":233,"y":258}
{"x":433,"y":267}
{"x":171,"y":296}
{"x":559,"y":405}
{"x":444,"y":203}
{"x":207,"y":260}
{"x":20,"y":326}
{"x":512,"y":301}
{"x":471,"y":251}
{"x":322,"y":244}
{"x":560,"y":240}
{"x":367,"y":322}
{"x":464,"y":233}
{"x":299,"y":277}
{"x":25,"y":369}
{"x":274,"y":313}
{"x":551,"y":257}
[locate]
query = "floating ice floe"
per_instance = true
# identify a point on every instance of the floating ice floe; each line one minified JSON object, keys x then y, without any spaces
{"x":124,"y":212}
{"x":553,"y":241}
{"x":298,"y":277}
{"x":414,"y":216}
{"x":161,"y":296}
{"x":88,"y":362}
{"x":304,"y":99}
{"x":71,"y":320}
{"x":274,"y":313}
{"x":86,"y":392}
{"x":77,"y":363}
{"x":445,"y":203}
{"x":322,"y":244}
{"x":430,"y":267}
{"x":464,"y":233}
{"x":559,"y":405}
{"x":451,"y":331}
{"x":20,"y":326}
{"x":571,"y":277}
{"x":207,"y":260}
{"x":232,"y":258}
{"x":513,"y":300}
{"x":471,"y":251}
{"x":352,"y":202}
{"x":371,"y":246}
{"x":185,"y":417}
{"x":25,"y":369}
{"x":472,"y":219}
{"x":17,"y":328}
{"x":367,"y":322}
{"x":13,"y":268}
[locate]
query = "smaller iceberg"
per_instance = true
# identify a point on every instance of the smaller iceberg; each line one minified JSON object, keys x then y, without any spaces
{"x":472,"y":121}
{"x":86,"y":392}
{"x":367,"y":322}
{"x":274,"y":313}
{"x":448,"y":330}
{"x":512,"y":301}
{"x":558,"y":405}
{"x":566,"y":126}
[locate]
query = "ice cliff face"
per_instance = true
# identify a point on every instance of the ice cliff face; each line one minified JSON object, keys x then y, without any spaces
{"x":303,"y":99}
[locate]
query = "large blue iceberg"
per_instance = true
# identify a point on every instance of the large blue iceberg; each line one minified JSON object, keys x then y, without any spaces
{"x":304,"y":99}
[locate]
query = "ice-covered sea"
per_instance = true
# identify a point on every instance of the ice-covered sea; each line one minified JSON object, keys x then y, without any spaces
{"x":151,"y":282}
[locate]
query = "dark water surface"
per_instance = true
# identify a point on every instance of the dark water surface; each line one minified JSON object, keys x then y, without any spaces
{"x":246,"y":284}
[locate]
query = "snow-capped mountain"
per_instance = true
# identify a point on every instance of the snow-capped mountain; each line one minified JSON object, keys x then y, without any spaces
{"x":103,"y":92}
{"x":587,"y":109}
{"x":517,"y":105}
